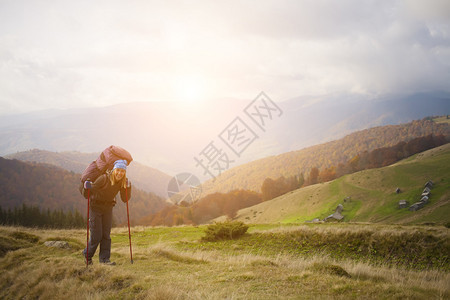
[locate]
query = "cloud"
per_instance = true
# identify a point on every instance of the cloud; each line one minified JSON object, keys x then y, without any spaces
{"x":77,"y":53}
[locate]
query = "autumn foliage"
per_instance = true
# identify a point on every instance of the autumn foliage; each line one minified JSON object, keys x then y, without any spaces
{"x":205,"y":209}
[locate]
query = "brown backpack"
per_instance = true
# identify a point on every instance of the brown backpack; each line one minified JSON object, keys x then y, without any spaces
{"x":105,"y":162}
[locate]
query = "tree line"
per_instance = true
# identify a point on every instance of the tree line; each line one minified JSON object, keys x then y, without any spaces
{"x":32,"y":216}
{"x":205,"y":209}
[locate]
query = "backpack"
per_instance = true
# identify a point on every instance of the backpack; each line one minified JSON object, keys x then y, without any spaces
{"x":105,"y":162}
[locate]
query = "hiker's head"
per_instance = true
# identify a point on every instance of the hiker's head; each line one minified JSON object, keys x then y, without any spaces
{"x":119,"y":171}
{"x":120,"y":164}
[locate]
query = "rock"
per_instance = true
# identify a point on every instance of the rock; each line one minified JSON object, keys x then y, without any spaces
{"x":316,"y":220}
{"x":57,"y":244}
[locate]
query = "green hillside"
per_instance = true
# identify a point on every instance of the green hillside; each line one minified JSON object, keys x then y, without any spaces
{"x":372,"y":196}
{"x":251,"y":175}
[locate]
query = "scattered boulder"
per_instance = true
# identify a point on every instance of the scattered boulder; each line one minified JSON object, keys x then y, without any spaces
{"x":398,"y":191}
{"x":57,"y":244}
{"x":316,"y":220}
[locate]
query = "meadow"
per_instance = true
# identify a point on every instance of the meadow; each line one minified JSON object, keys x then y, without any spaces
{"x":271,"y":261}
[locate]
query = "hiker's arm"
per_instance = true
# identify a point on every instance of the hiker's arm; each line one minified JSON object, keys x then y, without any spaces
{"x":99,"y":183}
{"x":125,"y":194}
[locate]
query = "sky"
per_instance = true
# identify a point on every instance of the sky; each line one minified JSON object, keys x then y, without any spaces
{"x":59,"y":54}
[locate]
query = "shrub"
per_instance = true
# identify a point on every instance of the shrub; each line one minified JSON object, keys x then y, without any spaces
{"x":227,"y":230}
{"x":330,"y":269}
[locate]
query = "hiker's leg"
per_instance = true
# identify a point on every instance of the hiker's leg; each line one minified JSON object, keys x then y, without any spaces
{"x":95,"y":231}
{"x":105,"y":244}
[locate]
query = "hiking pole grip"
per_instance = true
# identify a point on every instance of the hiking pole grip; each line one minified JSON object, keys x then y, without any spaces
{"x":87,"y":234}
{"x":128,"y":217}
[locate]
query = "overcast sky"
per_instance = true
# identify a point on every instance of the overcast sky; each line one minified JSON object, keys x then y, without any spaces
{"x":63,"y":54}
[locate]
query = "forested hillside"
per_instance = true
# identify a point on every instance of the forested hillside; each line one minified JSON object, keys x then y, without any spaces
{"x":144,"y":177}
{"x":228,"y":204}
{"x":368,"y":196}
{"x":50,"y":187}
{"x":251,"y":175}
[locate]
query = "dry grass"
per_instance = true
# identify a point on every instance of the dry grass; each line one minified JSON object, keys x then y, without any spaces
{"x":161,"y":271}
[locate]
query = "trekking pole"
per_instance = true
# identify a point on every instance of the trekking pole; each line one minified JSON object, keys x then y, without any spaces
{"x":87,"y":235}
{"x":128,"y":216}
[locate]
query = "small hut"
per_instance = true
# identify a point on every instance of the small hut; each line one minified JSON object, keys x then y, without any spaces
{"x":416,"y":206}
{"x":403,"y":204}
{"x":429,"y":184}
{"x":337,"y":215}
{"x":425,"y":199}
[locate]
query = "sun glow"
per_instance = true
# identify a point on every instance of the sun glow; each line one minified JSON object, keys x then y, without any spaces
{"x":190,"y":89}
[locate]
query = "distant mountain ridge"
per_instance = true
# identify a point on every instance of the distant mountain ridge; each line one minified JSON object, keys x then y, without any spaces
{"x":167,"y":136}
{"x":144,"y":177}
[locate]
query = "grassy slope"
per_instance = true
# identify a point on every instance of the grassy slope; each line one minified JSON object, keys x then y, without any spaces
{"x":372,"y":192}
{"x":171,"y":263}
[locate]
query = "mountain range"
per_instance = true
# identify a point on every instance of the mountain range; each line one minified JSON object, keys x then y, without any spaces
{"x":42,"y":181}
{"x":168,"y":135}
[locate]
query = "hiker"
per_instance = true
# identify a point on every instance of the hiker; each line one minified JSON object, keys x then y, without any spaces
{"x":102,"y":194}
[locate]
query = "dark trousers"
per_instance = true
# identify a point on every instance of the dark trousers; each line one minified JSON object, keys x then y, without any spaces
{"x":100,"y":223}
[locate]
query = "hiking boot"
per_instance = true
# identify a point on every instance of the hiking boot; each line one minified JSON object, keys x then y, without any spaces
{"x":84,"y":257}
{"x":108,"y":262}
